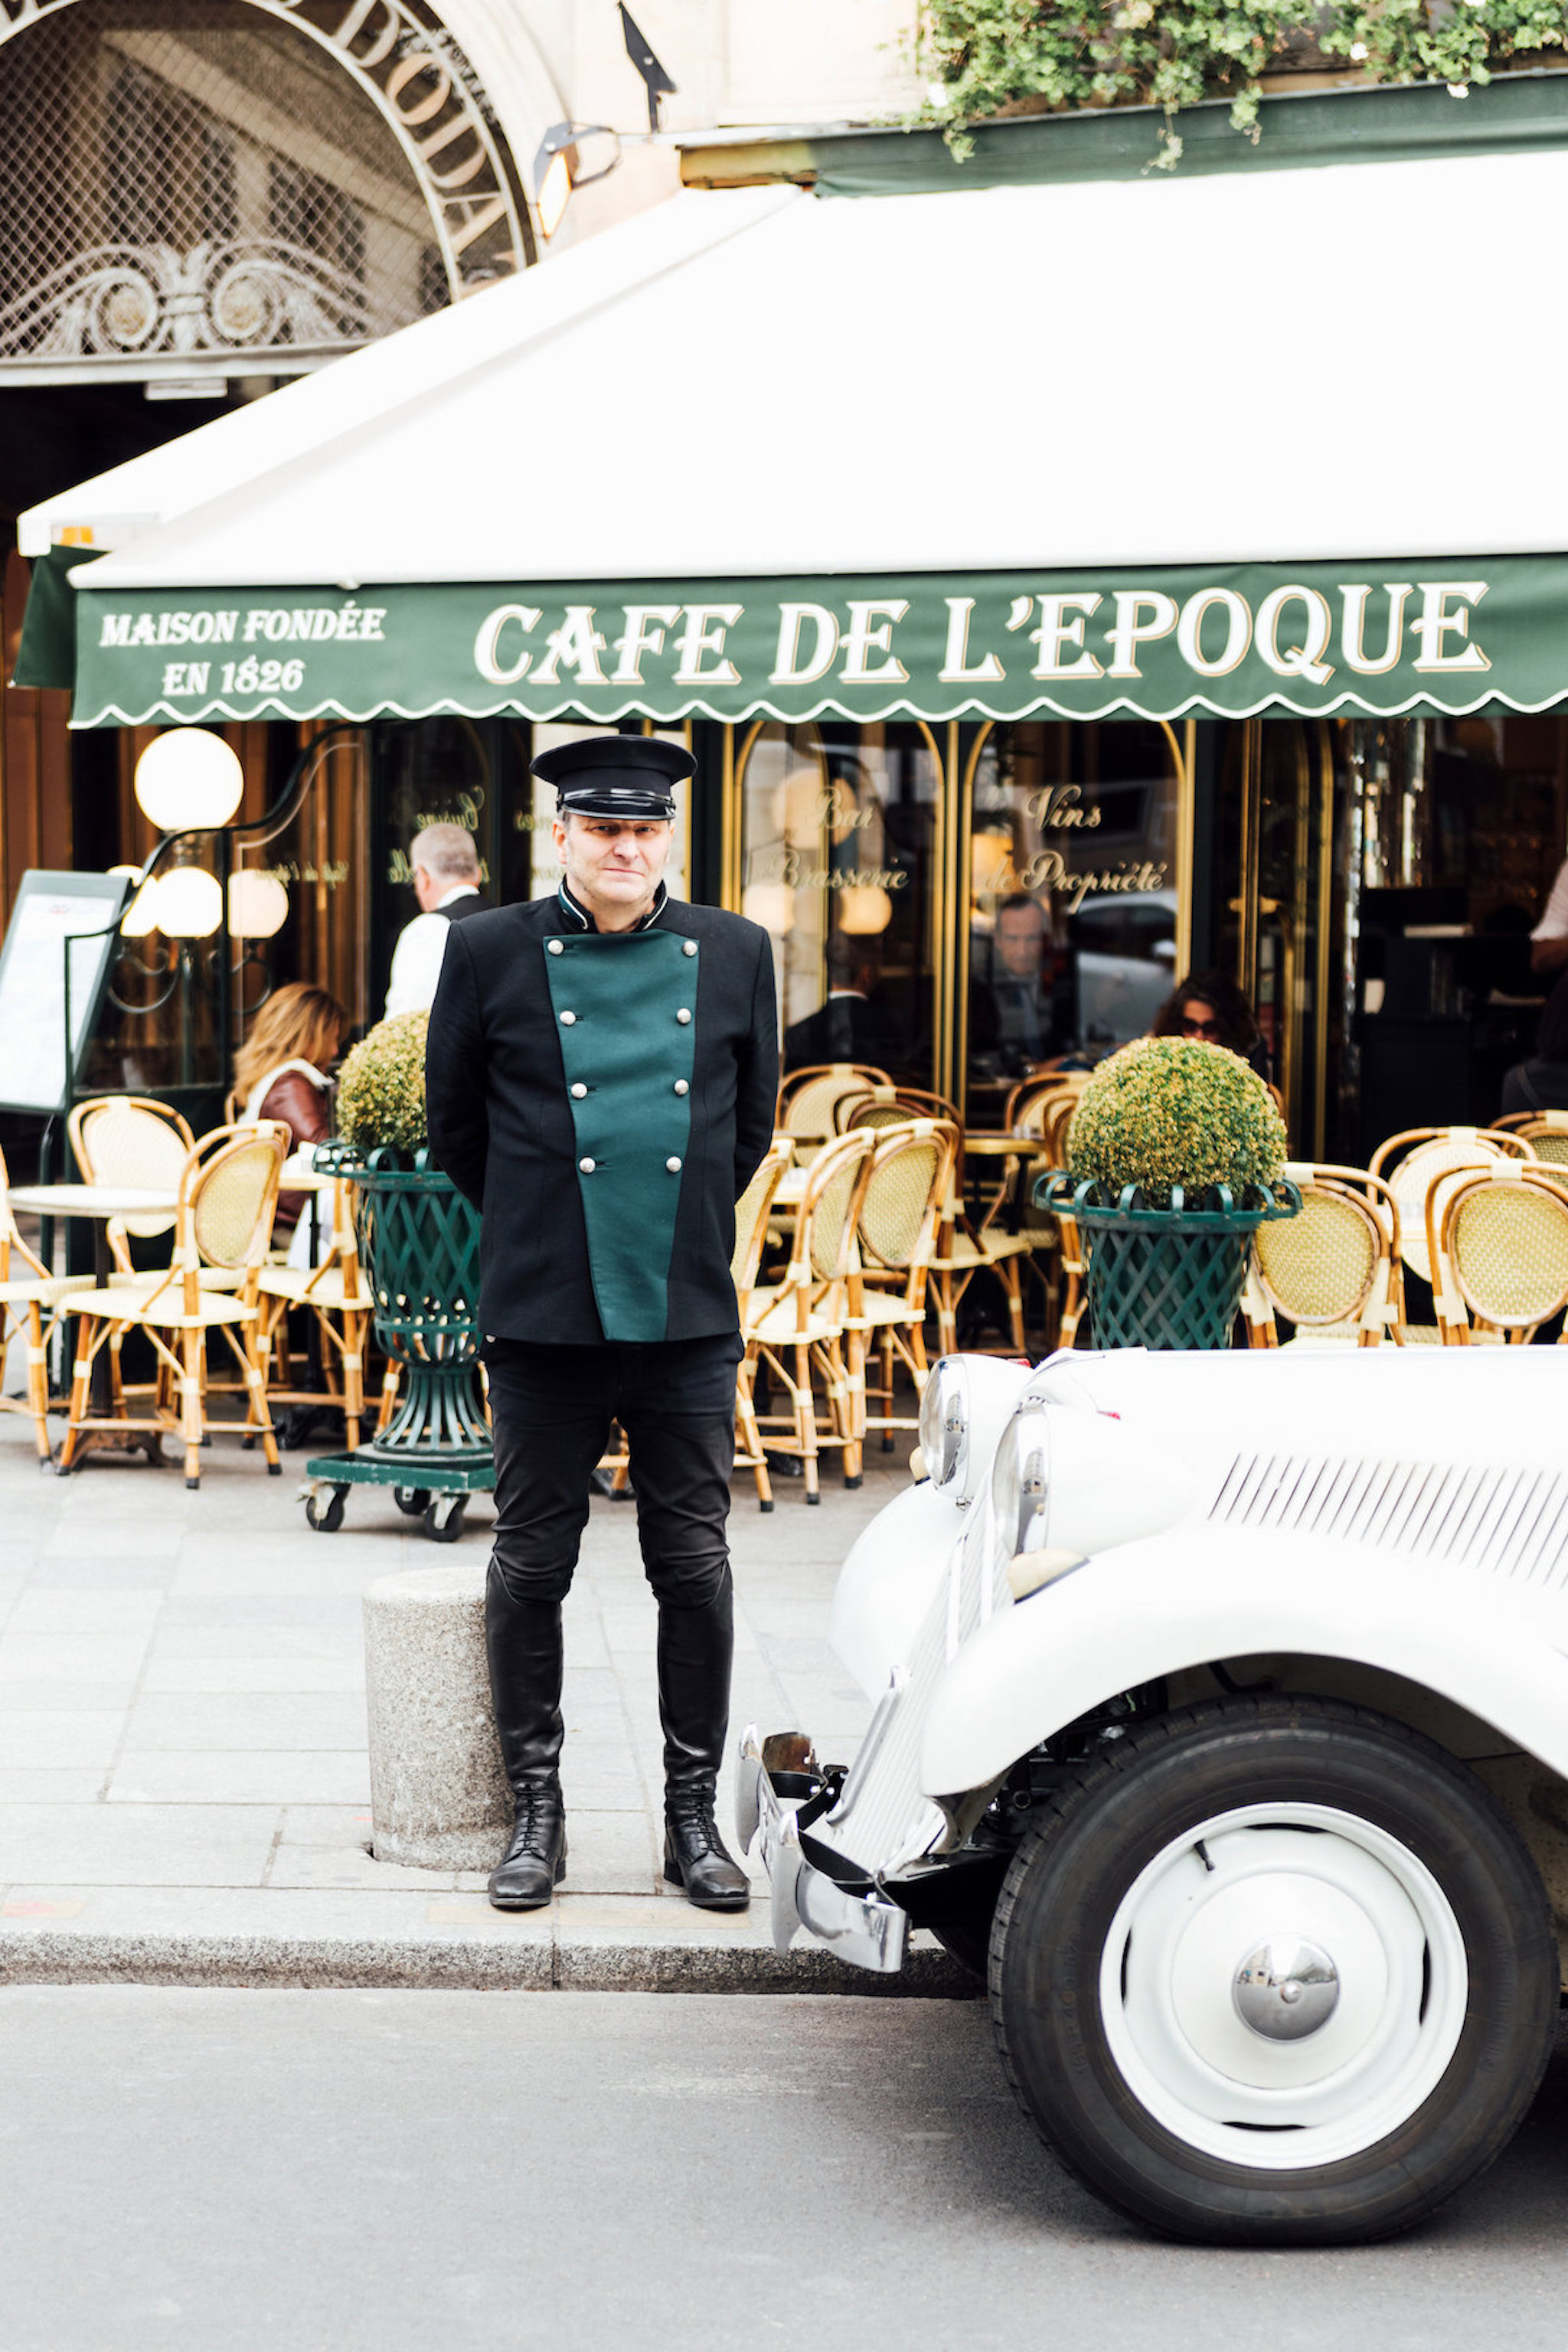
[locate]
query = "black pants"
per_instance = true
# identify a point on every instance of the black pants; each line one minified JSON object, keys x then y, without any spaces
{"x":553,"y":1407}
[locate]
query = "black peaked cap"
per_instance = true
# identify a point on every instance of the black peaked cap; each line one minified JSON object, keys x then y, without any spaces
{"x":615,"y":775}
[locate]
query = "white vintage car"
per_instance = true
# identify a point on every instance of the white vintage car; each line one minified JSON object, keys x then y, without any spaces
{"x":1223,"y":1713}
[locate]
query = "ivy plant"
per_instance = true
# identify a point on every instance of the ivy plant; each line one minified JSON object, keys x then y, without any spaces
{"x":979,"y":57}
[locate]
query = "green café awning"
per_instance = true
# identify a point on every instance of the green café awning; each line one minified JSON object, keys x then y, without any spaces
{"x":1377,"y":638}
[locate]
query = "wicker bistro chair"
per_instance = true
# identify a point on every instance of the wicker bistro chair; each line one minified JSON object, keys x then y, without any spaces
{"x":1043,"y":1107}
{"x":32,"y":1300}
{"x":753,"y":1212}
{"x":1504,"y":1242}
{"x":334,"y":1294}
{"x":795,"y":1329}
{"x":1421,"y":1166}
{"x":808,"y":1097}
{"x":1545,"y":1131}
{"x":965,"y":1247}
{"x":909,"y":1183}
{"x":130,"y":1139}
{"x":228,"y":1189}
{"x":1337,"y":1276}
{"x":1026,"y":1105}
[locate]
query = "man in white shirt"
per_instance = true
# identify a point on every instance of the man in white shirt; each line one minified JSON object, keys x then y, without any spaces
{"x":447,"y":884}
{"x":1549,"y":940}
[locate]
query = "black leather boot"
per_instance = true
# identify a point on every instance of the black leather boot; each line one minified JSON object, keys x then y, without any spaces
{"x":522,"y":1639}
{"x":695,"y":1648}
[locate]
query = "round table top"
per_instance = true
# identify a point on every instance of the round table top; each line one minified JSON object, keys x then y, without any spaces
{"x":999,"y":1146}
{"x":92,"y":1201}
{"x":299,"y":1173}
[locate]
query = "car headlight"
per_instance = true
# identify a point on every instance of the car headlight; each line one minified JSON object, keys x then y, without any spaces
{"x":946,"y":1421}
{"x":1021,"y":1484}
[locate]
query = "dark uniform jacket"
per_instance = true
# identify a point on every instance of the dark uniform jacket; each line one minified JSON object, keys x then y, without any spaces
{"x":604,"y":1100}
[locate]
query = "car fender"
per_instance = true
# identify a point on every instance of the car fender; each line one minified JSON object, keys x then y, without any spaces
{"x":1173,"y":1601}
{"x":888,"y":1582}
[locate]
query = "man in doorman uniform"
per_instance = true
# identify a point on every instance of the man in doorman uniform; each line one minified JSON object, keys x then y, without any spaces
{"x":601,"y":1078}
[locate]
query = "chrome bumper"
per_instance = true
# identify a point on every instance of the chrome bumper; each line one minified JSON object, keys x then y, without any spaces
{"x":776,"y":1778}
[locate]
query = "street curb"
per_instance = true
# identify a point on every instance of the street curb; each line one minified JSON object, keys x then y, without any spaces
{"x":459,"y":1965}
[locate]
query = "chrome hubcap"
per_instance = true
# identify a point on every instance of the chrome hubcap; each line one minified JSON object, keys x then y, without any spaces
{"x":1282,"y":1985}
{"x":1285,"y":1989}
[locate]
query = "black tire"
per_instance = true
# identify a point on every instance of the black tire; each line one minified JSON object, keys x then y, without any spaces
{"x":1108,"y":1834}
{"x":445,"y":1528}
{"x":412,"y":1501}
{"x":326,"y":1519}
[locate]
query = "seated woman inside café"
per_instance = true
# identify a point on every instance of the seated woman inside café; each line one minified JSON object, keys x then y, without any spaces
{"x":1209,"y":1006}
{"x":281,"y":1071}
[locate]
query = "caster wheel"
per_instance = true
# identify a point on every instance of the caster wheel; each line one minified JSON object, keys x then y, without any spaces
{"x":444,"y":1519}
{"x":326,"y":1518}
{"x":412,"y":1501}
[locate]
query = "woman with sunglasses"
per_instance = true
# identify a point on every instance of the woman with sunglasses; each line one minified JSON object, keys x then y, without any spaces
{"x":1208,"y":1006}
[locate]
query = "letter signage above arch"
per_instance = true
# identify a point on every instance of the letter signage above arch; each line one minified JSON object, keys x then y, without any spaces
{"x":1315,"y":639}
{"x":257,"y":184}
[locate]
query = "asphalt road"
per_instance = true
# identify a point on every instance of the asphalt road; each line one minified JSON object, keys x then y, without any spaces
{"x":232,"y":2171}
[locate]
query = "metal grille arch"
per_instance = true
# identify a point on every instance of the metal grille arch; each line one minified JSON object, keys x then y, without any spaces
{"x":201,"y":184}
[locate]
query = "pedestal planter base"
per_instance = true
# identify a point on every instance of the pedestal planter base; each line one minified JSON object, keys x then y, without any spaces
{"x":419,"y":1247}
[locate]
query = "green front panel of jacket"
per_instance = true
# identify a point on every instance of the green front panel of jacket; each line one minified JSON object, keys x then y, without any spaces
{"x":626,"y":1044}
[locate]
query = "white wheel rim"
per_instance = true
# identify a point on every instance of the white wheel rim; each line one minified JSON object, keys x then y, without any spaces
{"x":1213,"y":1896}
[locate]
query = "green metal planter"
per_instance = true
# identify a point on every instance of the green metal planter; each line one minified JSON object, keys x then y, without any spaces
{"x":1164,"y":1277}
{"x":419,"y":1251}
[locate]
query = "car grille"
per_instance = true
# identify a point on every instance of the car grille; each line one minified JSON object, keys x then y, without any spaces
{"x":1508,"y":1523}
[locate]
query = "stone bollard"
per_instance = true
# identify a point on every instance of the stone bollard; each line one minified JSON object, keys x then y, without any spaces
{"x":438,"y":1797}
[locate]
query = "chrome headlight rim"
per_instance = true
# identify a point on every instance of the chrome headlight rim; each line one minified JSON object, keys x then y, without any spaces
{"x":1021,"y":1484}
{"x":946,"y":1421}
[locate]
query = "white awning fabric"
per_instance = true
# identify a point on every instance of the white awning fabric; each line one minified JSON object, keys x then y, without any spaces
{"x":1150,"y":446}
{"x":341,"y":405}
{"x":1309,"y":365}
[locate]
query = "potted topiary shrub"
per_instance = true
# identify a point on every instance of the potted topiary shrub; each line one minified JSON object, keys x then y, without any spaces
{"x":419,"y":1248}
{"x":1176,"y":1156}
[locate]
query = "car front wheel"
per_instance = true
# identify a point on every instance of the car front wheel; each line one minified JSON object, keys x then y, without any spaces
{"x":1275,"y":1971}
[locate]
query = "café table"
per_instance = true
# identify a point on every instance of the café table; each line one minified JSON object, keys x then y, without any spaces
{"x":299,"y":1173}
{"x":98,"y":1204}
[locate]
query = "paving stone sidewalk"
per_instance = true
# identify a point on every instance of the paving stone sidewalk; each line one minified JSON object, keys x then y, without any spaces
{"x":184,"y":1782}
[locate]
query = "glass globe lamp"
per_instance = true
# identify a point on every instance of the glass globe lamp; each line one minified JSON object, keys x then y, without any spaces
{"x":258,"y":905}
{"x":142,"y":915}
{"x":189,"y":780}
{"x":189,"y":904}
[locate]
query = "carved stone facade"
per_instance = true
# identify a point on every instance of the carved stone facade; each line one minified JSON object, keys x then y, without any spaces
{"x":198,"y":181}
{"x":192,"y":185}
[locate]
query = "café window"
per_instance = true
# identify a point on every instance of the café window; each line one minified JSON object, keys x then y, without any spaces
{"x":837,"y":824}
{"x":1072,"y":915}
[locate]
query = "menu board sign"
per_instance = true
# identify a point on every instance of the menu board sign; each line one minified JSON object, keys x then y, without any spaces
{"x":61,"y":939}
